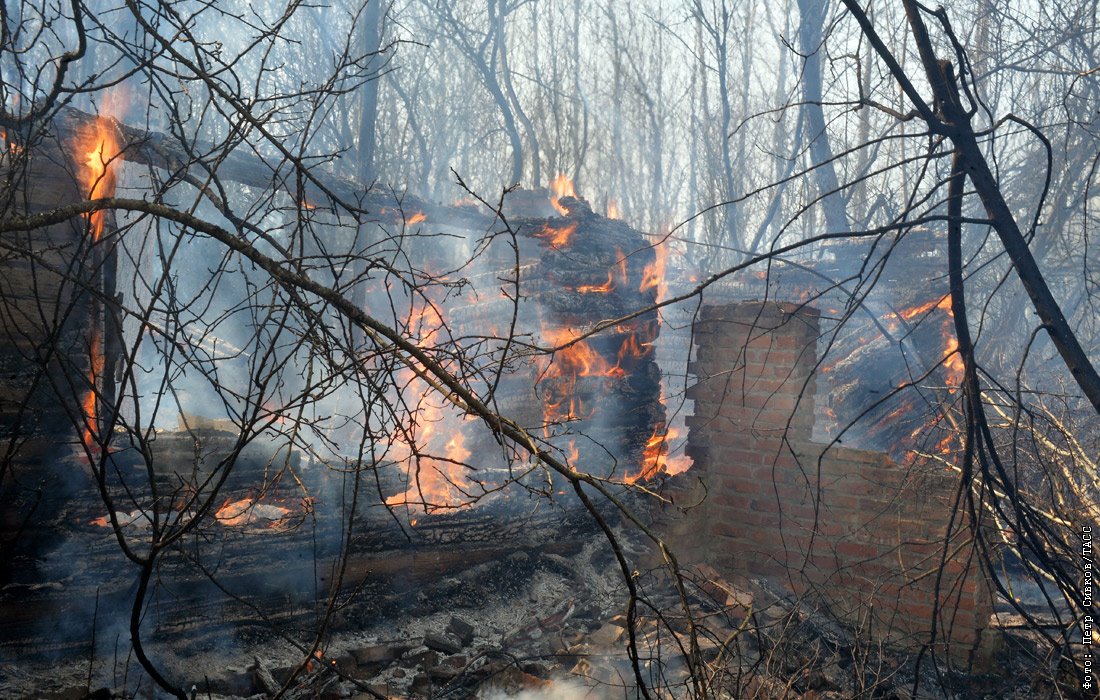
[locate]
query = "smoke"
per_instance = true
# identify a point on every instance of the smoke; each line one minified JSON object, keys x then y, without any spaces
{"x":561,"y":689}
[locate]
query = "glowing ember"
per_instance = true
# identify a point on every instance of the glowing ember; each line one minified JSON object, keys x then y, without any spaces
{"x":613,"y":209}
{"x":561,"y":186}
{"x":417,"y":218}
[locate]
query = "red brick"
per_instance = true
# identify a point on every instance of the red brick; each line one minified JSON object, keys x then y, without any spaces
{"x":731,"y":499}
{"x":856,"y":551}
{"x":728,"y":529}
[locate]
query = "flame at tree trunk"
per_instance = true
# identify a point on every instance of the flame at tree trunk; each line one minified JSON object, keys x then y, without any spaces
{"x":95,"y":370}
{"x":96,"y":150}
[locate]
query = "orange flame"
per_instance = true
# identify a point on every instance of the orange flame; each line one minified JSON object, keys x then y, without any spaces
{"x":8,"y":148}
{"x":577,"y":360}
{"x":598,"y":288}
{"x":653,"y":276}
{"x":417,"y":218}
{"x":100,"y":150}
{"x":433,"y":481}
{"x":580,"y":359}
{"x":245,"y":511}
{"x":953,"y":363}
{"x":95,"y":370}
{"x":631,"y":351}
{"x":944,"y":304}
{"x":557,"y":236}
{"x":616,"y":275}
{"x":952,"y":359}
{"x":613,"y":209}
{"x":561,"y":186}
{"x":97,"y":149}
{"x":655,"y":459}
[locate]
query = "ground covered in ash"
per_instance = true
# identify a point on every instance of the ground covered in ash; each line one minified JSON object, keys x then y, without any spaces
{"x":539,"y":626}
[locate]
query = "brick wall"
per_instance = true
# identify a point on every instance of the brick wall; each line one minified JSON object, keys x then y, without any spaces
{"x":853,"y":530}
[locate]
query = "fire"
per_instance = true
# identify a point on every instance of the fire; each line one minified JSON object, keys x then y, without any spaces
{"x":574,"y":454}
{"x":246,"y":511}
{"x":136,"y":519}
{"x":561,"y":401}
{"x":424,"y":322}
{"x":95,"y":370}
{"x":557,"y":235}
{"x":97,"y":150}
{"x":598,"y":288}
{"x":653,"y":276}
{"x":944,"y":304}
{"x":579,"y":359}
{"x":655,"y":459}
{"x":319,"y":658}
{"x":952,"y":359}
{"x":417,"y":218}
{"x":632,"y":350}
{"x":561,"y":186}
{"x":434,"y":480}
{"x":615,"y":275}
{"x":456,"y":448}
{"x":953,"y":363}
{"x":613,"y":209}
{"x":8,"y":147}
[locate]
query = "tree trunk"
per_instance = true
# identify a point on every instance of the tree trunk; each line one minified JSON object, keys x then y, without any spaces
{"x":813,"y":14}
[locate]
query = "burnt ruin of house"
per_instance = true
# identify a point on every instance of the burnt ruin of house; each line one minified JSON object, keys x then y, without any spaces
{"x":596,"y":399}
